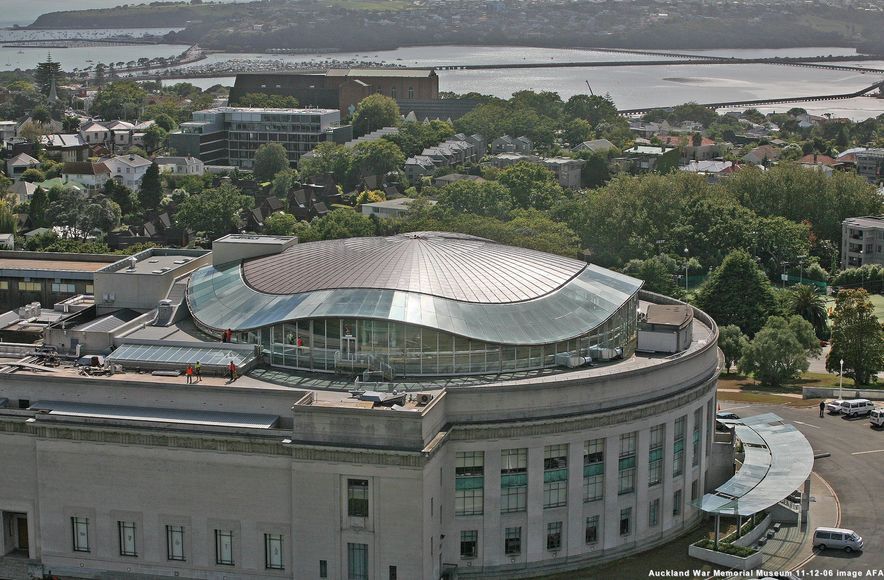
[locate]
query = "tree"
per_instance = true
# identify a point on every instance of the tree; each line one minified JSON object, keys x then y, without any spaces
{"x":343,"y":223}
{"x":80,"y":214}
{"x":37,"y":207}
{"x":374,"y":112}
{"x":119,"y":100}
{"x":738,"y":293}
{"x":595,"y":172}
{"x":484,"y":198}
{"x":658,"y":273}
{"x":70,"y":124}
{"x":270,"y":159}
{"x":155,"y":138}
{"x":8,"y":221}
{"x":376,"y":158}
{"x":369,"y":196}
{"x":280,"y":224}
{"x":33,"y":175}
{"x":531,"y":185}
{"x":215,"y":211}
{"x":165,"y":122}
{"x":45,"y":73}
{"x":780,"y":350}
{"x":41,"y":115}
{"x":324,"y":159}
{"x":151,"y":193}
{"x":577,"y":131}
{"x":121,"y":195}
{"x":733,"y":343}
{"x":857,"y":337}
{"x":592,"y":108}
{"x":265,"y":101}
{"x":284,"y":181}
{"x":806,"y":302}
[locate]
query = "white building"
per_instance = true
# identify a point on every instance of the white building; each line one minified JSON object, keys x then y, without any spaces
{"x":180,"y":165}
{"x":501,"y":473}
{"x":129,"y":170}
{"x":390,"y":208}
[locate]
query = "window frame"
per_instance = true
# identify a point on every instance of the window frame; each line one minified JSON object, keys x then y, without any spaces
{"x":76,"y":523}
{"x":125,"y":549}
{"x":171,"y":531}
{"x":469,"y":540}
{"x":220,"y":537}
{"x":553,"y":536}
{"x":270,"y":562}
{"x":512,"y":541}
{"x":357,"y":498}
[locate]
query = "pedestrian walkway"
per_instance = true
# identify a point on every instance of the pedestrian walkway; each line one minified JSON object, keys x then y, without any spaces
{"x":792,"y":546}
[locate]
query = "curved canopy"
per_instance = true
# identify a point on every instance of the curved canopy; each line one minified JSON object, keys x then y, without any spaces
{"x":219,"y":298}
{"x":778,"y":461}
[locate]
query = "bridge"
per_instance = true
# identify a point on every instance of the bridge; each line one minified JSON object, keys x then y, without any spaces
{"x":774,"y":101}
{"x":78,"y":42}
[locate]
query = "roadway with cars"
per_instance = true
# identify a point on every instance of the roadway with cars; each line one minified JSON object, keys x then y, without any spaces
{"x":855,"y":470}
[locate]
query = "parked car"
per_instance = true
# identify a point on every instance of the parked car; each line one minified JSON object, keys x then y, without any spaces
{"x":876,"y":417}
{"x":834,"y":407}
{"x":724,"y":416}
{"x":838,"y":538}
{"x":856,"y":407}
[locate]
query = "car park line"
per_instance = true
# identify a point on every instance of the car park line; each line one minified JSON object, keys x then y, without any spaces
{"x":865,"y":452}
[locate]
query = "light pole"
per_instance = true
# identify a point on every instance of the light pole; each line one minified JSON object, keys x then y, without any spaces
{"x":785,"y":276}
{"x":801,"y":269}
{"x":685,"y":269}
{"x":862,"y":272}
{"x":841,"y":378}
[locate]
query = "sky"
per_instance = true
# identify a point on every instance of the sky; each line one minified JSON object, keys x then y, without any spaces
{"x":27,"y":12}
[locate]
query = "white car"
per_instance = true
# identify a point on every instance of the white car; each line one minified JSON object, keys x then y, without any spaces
{"x":834,"y":407}
{"x":876,"y":418}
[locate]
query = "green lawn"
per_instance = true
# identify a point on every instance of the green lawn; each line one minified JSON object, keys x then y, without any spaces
{"x":877,"y":302}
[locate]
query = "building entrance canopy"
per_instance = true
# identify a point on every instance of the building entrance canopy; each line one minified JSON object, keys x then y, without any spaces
{"x":778,"y":460}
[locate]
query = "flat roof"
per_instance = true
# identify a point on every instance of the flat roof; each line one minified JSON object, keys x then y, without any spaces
{"x":778,"y":460}
{"x":866,"y":221}
{"x":50,"y":264}
{"x":157,"y":415}
{"x":249,"y":239}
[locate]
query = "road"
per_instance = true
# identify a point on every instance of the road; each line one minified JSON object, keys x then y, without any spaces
{"x":855,"y":470}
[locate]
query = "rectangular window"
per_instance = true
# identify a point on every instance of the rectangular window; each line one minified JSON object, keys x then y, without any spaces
{"x":469,"y":483}
{"x":592,"y":529}
{"x":4,"y":285}
{"x":513,"y":480}
{"x":64,"y":288}
{"x":698,"y":424}
{"x":394,"y":573}
{"x":80,"y":534}
{"x":678,"y":447}
{"x":625,"y":521}
{"x":175,"y":543}
{"x":512,"y":541}
{"x":469,"y":544}
{"x":29,"y":287}
{"x":90,"y":289}
{"x":127,"y":538}
{"x":676,"y":502}
{"x":357,"y":561}
{"x":654,"y":512}
{"x":224,"y":547}
{"x":655,"y":455}
{"x":357,"y":498}
{"x":695,"y":489}
{"x":554,"y":536}
{"x":555,"y":475}
{"x":626,"y":465}
{"x":273,"y":551}
{"x":323,"y":568}
{"x":593,"y":470}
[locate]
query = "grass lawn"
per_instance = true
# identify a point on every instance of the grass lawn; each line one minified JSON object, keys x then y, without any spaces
{"x":877,"y":302}
{"x":740,"y":388}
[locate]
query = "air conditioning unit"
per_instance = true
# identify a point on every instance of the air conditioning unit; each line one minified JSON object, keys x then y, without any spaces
{"x":424,"y":398}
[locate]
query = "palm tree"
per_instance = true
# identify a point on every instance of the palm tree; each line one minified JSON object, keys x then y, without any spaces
{"x":808,"y":304}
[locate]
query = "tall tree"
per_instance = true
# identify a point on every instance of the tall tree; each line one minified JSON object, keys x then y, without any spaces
{"x":531,"y":186}
{"x":215,"y":211}
{"x":270,"y":159}
{"x":45,"y":73}
{"x":374,"y":112}
{"x":857,"y":337}
{"x":37,"y":207}
{"x":377,"y":157}
{"x":780,"y":350}
{"x":484,"y":198}
{"x":151,"y":193}
{"x":733,"y":344}
{"x":806,"y":302}
{"x":738,"y":293}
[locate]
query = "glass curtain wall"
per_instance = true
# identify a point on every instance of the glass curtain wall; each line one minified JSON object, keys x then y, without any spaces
{"x":336,"y":344}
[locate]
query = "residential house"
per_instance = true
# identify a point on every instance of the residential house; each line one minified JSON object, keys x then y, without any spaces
{"x":713,"y":170}
{"x":477,"y":140}
{"x":453,"y":178}
{"x":762,"y":155}
{"x":566,"y":170}
{"x":23,"y":190}
{"x":417,"y":166}
{"x":391,"y":208}
{"x":66,"y":147}
{"x":7,"y":130}
{"x":507,"y":144}
{"x":95,"y":133}
{"x":704,"y":150}
{"x":862,"y":241}
{"x":870,"y":164}
{"x":17,"y":165}
{"x":7,"y":241}
{"x":647,"y":158}
{"x":504,"y":160}
{"x":90,"y":175}
{"x":601,"y":146}
{"x":181,"y":165}
{"x":127,"y":169}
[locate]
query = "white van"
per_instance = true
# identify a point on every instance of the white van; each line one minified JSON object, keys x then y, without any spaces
{"x":876,"y":417}
{"x":837,"y":538}
{"x":856,"y":407}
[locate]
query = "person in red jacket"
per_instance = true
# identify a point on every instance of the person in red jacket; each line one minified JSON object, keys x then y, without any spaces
{"x":232,"y":368}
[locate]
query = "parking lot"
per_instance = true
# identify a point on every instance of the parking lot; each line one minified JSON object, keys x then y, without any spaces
{"x":854,"y":469}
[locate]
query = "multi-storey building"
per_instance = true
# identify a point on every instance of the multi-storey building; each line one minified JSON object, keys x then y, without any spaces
{"x":232,"y":135}
{"x":870,"y":164}
{"x":502,"y":424}
{"x":862,"y":241}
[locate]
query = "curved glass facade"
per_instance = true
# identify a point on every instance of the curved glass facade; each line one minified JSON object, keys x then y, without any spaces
{"x":399,"y":349}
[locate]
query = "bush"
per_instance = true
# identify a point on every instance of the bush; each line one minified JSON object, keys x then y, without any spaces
{"x":726,"y":548}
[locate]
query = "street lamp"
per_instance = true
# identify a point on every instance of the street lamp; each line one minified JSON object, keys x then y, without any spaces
{"x":685,"y":269}
{"x":841,"y":378}
{"x":785,"y":276}
{"x":801,"y":269}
